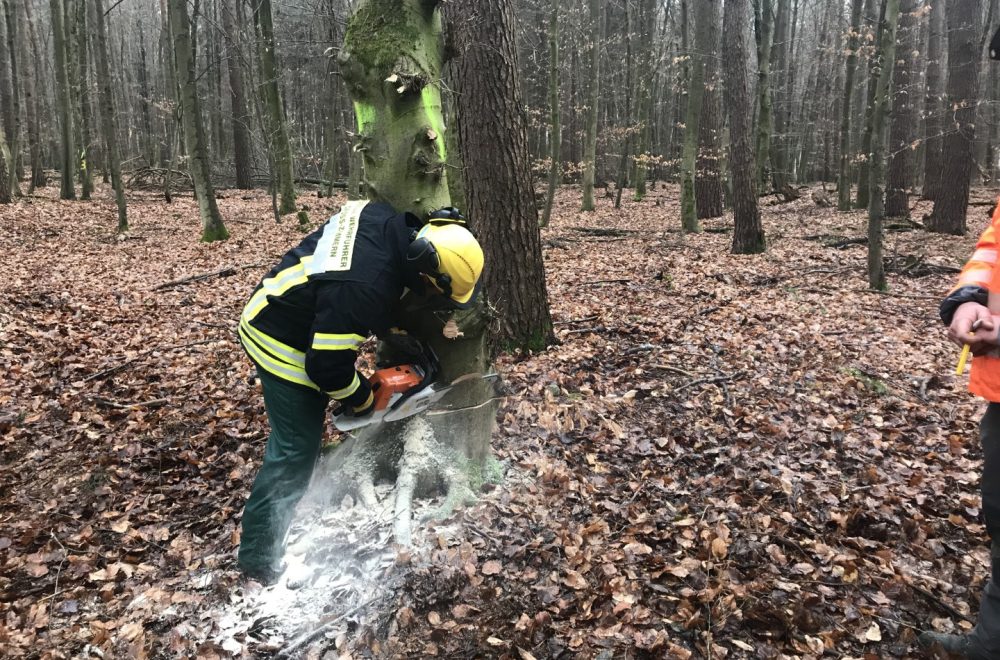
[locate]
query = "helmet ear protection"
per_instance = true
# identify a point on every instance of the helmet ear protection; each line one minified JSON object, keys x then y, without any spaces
{"x":422,"y":256}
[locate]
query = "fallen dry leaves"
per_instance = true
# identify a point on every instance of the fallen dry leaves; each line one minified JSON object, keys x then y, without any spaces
{"x":726,"y":456}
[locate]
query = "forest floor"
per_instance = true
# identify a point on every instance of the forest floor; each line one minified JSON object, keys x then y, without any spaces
{"x":725,"y":456}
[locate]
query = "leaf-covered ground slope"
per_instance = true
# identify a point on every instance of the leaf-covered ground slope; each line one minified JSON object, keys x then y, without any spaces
{"x":726,"y":456}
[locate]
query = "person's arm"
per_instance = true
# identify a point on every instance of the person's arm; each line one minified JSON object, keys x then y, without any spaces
{"x":339,"y":329}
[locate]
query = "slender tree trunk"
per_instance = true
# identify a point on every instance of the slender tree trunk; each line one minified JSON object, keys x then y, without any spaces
{"x":623,"y":160}
{"x":765,"y":26}
{"x":16,"y":169}
{"x":213,"y":228}
{"x":146,"y":101}
{"x":853,"y":43}
{"x":242,"y":149}
{"x":864,"y":170}
{"x":780,"y":95}
{"x":494,"y":145}
{"x":708,"y":180}
{"x":274,"y":109}
{"x":32,"y":104}
{"x":951,"y":201}
{"x":880,"y":124}
{"x":83,"y":97}
{"x":109,"y":117}
{"x":644,"y":82}
{"x":5,"y":193}
{"x":66,"y":189}
{"x":748,"y":234}
{"x":590,"y":149}
{"x":555,"y":142}
{"x":705,"y":14}
{"x":903,"y":117}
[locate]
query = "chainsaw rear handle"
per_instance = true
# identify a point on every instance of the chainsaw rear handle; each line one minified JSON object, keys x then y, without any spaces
{"x":430,"y":367}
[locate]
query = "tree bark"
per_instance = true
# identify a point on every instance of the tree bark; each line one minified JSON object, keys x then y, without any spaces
{"x":748,"y":234}
{"x":903,"y":116}
{"x":864,"y":168}
{"x":15,"y":135}
{"x":67,"y":168}
{"x":880,"y":124}
{"x":391,"y":63}
{"x":853,"y":44}
{"x":109,"y":118}
{"x":705,"y":14}
{"x":780,"y":94}
{"x":82,"y":86}
{"x":765,"y":28}
{"x":274,"y":110}
{"x":32,"y":104}
{"x":213,"y":228}
{"x":494,"y":145}
{"x":5,"y":193}
{"x":242,"y":150}
{"x":707,"y":179}
{"x":951,"y":201}
{"x":555,"y":128}
{"x":644,"y":82}
{"x":590,"y":149}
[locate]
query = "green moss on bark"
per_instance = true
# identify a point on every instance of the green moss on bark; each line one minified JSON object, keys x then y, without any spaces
{"x":378,"y":33}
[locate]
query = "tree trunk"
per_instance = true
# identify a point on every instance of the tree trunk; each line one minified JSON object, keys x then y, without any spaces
{"x":16,"y":167}
{"x":644,"y":81}
{"x":748,"y":234}
{"x":109,"y":117}
{"x":864,"y":169}
{"x":391,"y":62}
{"x":590,"y":150}
{"x":242,"y":149}
{"x":32,"y":104}
{"x":5,"y":192}
{"x":780,"y":94}
{"x":853,"y":44}
{"x":765,"y":26}
{"x":897,"y":201}
{"x":707,"y":179}
{"x":494,"y":145}
{"x":67,"y":168}
{"x":555,"y":142}
{"x":880,"y":125}
{"x":82,"y":86}
{"x":626,"y":122}
{"x":213,"y":228}
{"x":705,"y":14}
{"x":273,"y":108}
{"x":951,"y":201}
{"x":146,"y":101}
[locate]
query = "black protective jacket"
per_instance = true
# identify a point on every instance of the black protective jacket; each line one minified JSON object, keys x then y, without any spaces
{"x":307,"y":318}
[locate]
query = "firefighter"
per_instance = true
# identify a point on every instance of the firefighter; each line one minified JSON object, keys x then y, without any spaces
{"x":302,"y":328}
{"x":971,"y":310}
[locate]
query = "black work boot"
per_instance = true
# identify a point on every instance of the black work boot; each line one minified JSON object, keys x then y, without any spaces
{"x":983,"y":643}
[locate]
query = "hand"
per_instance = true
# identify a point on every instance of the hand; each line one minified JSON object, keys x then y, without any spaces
{"x":365,"y":409}
{"x":973,"y":325}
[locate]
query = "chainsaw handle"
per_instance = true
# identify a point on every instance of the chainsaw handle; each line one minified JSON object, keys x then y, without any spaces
{"x":430,"y":366}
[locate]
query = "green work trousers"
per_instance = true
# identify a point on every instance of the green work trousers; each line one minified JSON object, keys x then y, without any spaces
{"x":297,"y":417}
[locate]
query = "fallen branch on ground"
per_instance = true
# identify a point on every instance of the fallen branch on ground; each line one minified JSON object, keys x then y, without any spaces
{"x":123,"y":365}
{"x":222,"y":272}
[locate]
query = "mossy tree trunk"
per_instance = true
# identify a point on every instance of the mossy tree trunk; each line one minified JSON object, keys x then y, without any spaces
{"x":109,"y":117}
{"x":853,"y":44}
{"x":590,"y":146}
{"x":273,"y":109}
{"x":391,"y":63}
{"x":864,"y":168}
{"x":880,"y":124}
{"x":213,"y":228}
{"x":67,"y":167}
{"x":555,"y":127}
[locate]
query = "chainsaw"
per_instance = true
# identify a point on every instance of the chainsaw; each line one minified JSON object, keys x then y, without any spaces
{"x":403,"y":391}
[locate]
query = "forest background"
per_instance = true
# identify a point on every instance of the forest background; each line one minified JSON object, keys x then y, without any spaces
{"x":748,"y":425}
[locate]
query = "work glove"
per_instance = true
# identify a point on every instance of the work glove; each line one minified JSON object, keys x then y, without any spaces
{"x":400,"y":348}
{"x":365,"y":409}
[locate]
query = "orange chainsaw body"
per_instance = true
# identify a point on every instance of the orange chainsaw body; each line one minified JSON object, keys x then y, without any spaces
{"x":394,"y":380}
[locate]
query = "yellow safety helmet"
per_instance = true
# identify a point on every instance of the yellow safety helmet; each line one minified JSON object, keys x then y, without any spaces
{"x":452,"y":257}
